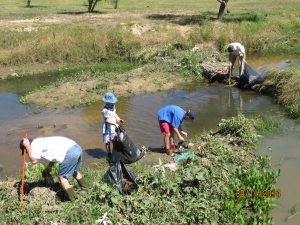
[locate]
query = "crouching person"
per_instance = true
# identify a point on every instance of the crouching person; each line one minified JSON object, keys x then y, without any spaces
{"x":60,"y":150}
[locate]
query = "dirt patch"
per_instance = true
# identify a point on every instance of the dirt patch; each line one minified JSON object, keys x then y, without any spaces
{"x":138,"y":29}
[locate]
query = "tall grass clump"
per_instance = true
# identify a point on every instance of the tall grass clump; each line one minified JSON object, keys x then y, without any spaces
{"x":122,"y":44}
{"x":287,"y":83}
{"x":209,"y":188}
{"x":259,"y":37}
{"x":79,"y":43}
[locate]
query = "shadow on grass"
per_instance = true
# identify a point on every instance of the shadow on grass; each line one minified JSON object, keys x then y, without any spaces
{"x":184,"y":19}
{"x":34,"y":6}
{"x":205,"y":17}
{"x":80,"y":12}
{"x":96,"y":153}
{"x":241,"y":17}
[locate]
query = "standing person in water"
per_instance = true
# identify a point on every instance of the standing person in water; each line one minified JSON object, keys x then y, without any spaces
{"x":236,"y":50}
{"x":170,"y":119}
{"x":111,"y":121}
{"x":60,"y":150}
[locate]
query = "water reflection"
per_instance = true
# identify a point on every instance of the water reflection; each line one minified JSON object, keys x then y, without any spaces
{"x":210,"y":103}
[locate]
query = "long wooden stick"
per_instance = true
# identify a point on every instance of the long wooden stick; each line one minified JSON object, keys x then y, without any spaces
{"x":23,"y":171}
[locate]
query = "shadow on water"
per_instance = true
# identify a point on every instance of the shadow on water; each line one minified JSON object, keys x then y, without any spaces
{"x":205,"y":17}
{"x":156,"y":149}
{"x":96,"y":153}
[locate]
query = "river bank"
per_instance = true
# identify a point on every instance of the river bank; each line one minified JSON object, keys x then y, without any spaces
{"x":211,"y":182}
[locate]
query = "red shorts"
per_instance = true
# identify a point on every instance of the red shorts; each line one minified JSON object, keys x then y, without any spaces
{"x":165,"y":127}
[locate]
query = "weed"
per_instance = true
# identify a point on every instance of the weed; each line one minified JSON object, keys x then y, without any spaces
{"x":287,"y":88}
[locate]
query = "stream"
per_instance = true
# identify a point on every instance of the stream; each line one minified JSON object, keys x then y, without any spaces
{"x":210,"y":102}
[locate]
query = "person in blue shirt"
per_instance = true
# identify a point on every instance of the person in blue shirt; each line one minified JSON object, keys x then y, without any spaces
{"x":170,"y":119}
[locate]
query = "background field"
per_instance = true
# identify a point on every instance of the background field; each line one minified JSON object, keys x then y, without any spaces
{"x":17,"y":9}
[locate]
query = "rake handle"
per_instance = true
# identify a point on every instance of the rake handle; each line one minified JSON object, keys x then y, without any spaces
{"x":23,"y":171}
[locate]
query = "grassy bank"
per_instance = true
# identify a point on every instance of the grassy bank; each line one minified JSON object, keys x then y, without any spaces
{"x":129,"y":34}
{"x":84,"y":43}
{"x":206,"y":189}
{"x":287,"y":92}
{"x":86,"y":84}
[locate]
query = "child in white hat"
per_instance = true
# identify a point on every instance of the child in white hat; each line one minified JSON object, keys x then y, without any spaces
{"x":110,"y":121}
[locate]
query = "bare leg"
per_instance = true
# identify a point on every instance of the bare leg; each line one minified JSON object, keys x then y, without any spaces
{"x":77,"y":175}
{"x":232,"y":59}
{"x":167,"y":141}
{"x":64,"y":182}
{"x":242,"y":66}
{"x":107,"y":147}
{"x":172,"y":137}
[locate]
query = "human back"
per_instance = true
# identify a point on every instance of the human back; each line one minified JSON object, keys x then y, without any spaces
{"x":53,"y":148}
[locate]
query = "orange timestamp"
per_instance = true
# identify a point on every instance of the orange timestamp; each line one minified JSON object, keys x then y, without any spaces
{"x":242,"y":193}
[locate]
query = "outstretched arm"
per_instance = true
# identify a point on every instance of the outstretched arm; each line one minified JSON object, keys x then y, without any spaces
{"x":222,"y":2}
{"x":28,"y":148}
{"x":178,"y":133}
{"x":119,"y":120}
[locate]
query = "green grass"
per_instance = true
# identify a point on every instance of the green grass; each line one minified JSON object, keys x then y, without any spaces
{"x":287,"y":83}
{"x":203,"y":190}
{"x":37,"y":81}
{"x":256,"y":24}
{"x":16,"y":9}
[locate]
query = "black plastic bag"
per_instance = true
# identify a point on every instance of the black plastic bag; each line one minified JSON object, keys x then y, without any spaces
{"x":124,"y":149}
{"x":119,"y":175}
{"x":249,"y":78}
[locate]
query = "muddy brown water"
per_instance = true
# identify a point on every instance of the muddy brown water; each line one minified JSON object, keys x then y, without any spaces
{"x":211,"y":102}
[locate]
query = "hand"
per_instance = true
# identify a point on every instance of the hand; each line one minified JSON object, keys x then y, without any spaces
{"x":181,"y":139}
{"x":183,"y":133}
{"x":117,"y":125}
{"x":122,"y":121}
{"x":183,"y":144}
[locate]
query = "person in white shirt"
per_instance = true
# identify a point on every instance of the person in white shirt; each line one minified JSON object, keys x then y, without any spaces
{"x":60,"y":150}
{"x":110,"y":121}
{"x":236,"y":50}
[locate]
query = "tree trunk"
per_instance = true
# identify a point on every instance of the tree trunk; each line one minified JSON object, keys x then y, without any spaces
{"x":116,"y":4}
{"x":222,"y":9}
{"x":90,"y":5}
{"x":94,"y":5}
{"x":28,"y":3}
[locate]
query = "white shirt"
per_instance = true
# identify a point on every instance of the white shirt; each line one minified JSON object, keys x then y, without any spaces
{"x":106,"y":127}
{"x":238,"y":49}
{"x":53,"y":149}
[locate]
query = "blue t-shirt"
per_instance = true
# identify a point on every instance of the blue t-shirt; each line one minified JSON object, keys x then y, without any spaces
{"x":172,"y":114}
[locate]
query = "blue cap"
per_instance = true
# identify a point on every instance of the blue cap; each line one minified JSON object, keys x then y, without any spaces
{"x":109,"y":98}
{"x":191,"y":114}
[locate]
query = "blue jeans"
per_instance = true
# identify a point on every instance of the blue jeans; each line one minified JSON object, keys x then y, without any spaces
{"x":71,"y":163}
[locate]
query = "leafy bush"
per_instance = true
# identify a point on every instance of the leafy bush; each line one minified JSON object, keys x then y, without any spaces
{"x":241,"y":128}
